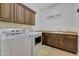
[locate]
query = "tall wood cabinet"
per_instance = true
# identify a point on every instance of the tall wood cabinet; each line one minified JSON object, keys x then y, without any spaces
{"x":17,"y":13}
{"x":6,"y":12}
{"x":62,"y":41}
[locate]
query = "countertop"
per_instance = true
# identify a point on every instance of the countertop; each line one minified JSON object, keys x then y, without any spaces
{"x":58,"y":32}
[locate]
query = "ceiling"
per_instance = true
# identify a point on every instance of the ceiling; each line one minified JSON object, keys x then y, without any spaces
{"x":38,"y":6}
{"x":44,"y":5}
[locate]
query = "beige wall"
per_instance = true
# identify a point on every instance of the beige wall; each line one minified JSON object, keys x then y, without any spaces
{"x":13,"y":25}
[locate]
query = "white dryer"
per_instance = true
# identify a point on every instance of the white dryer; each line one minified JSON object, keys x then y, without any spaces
{"x":15,"y":43}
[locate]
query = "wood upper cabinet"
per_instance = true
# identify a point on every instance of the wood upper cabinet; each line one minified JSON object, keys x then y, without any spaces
{"x":32,"y":19}
{"x":24,"y":15}
{"x":19,"y":13}
{"x":6,"y":11}
{"x":27,"y":16}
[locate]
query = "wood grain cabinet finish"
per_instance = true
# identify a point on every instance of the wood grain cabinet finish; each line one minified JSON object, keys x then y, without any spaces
{"x":44,"y":38}
{"x":17,"y":13}
{"x":52,"y":40}
{"x":7,"y":12}
{"x":62,"y":41}
{"x":32,"y":19}
{"x":71,"y":43}
{"x":49,"y":39}
{"x":27,"y":16}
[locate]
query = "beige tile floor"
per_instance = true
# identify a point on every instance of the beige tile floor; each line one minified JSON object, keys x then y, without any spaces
{"x":50,"y":51}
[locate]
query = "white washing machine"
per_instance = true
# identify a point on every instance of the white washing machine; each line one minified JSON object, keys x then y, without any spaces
{"x":15,"y":43}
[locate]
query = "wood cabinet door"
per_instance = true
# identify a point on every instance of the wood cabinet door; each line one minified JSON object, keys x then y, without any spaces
{"x":19,"y":13}
{"x":32,"y":18}
{"x":52,"y":40}
{"x":27,"y":16}
{"x":44,"y":38}
{"x":71,"y":43}
{"x":61,"y":41}
{"x":6,"y":11}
